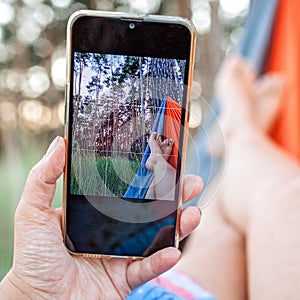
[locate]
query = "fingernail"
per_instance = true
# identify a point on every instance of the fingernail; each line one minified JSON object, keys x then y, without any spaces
{"x":52,"y":146}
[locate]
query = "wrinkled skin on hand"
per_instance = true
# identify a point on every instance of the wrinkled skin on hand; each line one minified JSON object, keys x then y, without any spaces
{"x":42,"y":267}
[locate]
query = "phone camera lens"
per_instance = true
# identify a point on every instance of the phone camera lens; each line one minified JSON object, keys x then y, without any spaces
{"x":131,"y":25}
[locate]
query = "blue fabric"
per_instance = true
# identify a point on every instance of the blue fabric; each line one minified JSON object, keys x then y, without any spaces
{"x":254,"y":47}
{"x":258,"y":32}
{"x":143,"y":178}
{"x":151,"y":291}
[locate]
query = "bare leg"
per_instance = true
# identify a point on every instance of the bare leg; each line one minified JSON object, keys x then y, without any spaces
{"x":266,"y":100}
{"x":215,"y":255}
{"x":267,"y":93}
{"x":163,"y":184}
{"x":247,"y":244}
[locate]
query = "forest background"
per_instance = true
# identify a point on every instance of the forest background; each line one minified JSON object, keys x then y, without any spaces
{"x":116,"y":99}
{"x":32,"y":78}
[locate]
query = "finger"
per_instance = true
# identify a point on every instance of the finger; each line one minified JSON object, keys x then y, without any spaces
{"x":189,"y":220}
{"x":144,"y":270}
{"x":192,"y":187}
{"x":41,"y":182}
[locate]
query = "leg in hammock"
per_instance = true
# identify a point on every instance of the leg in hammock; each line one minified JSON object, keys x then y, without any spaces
{"x":247,"y":244}
{"x":163,"y":184}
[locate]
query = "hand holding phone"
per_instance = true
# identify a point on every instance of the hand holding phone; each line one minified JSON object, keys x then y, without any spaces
{"x":42,"y":266}
{"x":126,"y":126}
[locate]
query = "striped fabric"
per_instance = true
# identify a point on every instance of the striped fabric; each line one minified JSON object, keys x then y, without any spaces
{"x":170,"y":286}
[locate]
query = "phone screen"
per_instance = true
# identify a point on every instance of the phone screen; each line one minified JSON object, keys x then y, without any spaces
{"x":127,"y":121}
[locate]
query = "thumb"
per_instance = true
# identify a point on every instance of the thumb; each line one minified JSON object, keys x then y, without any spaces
{"x":40,"y":186}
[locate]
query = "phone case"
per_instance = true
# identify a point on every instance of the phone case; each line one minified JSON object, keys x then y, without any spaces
{"x":134,"y":17}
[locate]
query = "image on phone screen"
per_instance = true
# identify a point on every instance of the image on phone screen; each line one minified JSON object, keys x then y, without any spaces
{"x":126,"y":128}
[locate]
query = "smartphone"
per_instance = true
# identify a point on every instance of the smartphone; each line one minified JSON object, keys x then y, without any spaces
{"x":127,"y":97}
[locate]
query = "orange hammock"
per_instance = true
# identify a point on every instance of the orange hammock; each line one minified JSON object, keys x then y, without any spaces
{"x":284,"y":57}
{"x":172,"y":127}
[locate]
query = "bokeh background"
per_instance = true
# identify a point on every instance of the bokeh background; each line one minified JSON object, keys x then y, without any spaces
{"x":32,"y":77}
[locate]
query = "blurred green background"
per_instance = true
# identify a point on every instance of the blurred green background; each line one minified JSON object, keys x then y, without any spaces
{"x":32,"y":76}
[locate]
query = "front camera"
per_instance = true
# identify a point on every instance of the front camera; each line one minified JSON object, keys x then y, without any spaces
{"x":131,"y":25}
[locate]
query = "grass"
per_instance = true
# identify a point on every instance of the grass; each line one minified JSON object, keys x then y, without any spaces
{"x":105,"y":176}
